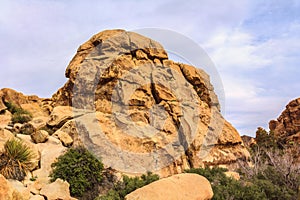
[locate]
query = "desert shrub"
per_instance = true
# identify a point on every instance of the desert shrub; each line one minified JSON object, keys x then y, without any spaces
{"x":226,"y":188}
{"x":81,"y":169}
{"x":128,"y":185}
{"x":275,"y":168}
{"x":19,"y":115}
{"x":15,"y":160}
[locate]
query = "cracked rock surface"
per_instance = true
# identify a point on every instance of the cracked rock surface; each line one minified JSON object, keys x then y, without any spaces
{"x":146,"y":108}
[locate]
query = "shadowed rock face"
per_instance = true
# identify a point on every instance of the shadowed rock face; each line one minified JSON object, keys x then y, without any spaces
{"x":287,"y":125}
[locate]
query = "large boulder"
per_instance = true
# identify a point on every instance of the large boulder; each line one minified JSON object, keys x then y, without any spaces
{"x":39,"y":136}
{"x":140,"y":111}
{"x":181,"y":187}
{"x":60,"y":115}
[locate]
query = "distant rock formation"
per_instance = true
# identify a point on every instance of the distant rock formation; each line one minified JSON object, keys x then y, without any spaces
{"x":287,"y":125}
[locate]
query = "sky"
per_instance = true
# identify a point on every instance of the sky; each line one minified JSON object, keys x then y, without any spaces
{"x":253,"y":44}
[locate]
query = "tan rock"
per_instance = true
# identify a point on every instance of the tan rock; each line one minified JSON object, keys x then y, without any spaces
{"x":20,"y":188}
{"x":5,"y":135}
{"x":60,"y":115}
{"x":70,"y":128}
{"x":36,"y":197}
{"x":5,"y":118}
{"x":12,"y":96}
{"x":7,"y":192}
{"x":35,"y":108}
{"x":181,"y":186}
{"x":35,"y":186}
{"x":39,"y":122}
{"x":49,"y":151}
{"x":64,"y":137}
{"x":233,"y":175}
{"x":39,"y":136}
{"x":57,"y":190}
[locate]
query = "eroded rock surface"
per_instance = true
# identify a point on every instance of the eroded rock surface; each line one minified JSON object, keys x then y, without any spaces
{"x":287,"y":125}
{"x":133,"y":99}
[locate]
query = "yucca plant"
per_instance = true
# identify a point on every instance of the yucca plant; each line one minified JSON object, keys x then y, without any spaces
{"x":15,"y":160}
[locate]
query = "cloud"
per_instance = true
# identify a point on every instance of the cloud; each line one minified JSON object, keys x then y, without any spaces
{"x":259,"y":76}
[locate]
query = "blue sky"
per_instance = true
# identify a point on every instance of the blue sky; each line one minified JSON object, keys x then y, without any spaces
{"x":254,"y":45}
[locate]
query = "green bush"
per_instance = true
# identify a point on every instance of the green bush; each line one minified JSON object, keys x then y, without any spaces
{"x":81,"y":170}
{"x":128,"y":185}
{"x":15,"y":160}
{"x":19,"y":115}
{"x":227,"y":188}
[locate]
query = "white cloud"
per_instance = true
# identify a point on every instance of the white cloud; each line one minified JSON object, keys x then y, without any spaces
{"x":236,"y":49}
{"x":258,"y":75}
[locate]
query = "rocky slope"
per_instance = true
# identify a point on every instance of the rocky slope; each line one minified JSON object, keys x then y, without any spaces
{"x":287,"y":125}
{"x":131,"y":106}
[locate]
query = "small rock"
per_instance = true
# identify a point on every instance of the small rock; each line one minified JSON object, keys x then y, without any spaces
{"x":64,"y":137}
{"x":39,"y":122}
{"x":27,"y":129}
{"x":18,"y":186}
{"x":36,"y":197}
{"x":39,"y":136}
{"x":57,"y":190}
{"x":233,"y":175}
{"x":35,"y":187}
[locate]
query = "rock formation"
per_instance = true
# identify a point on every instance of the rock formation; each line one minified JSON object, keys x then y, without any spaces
{"x":131,"y":106}
{"x":145,"y":103}
{"x":287,"y":125}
